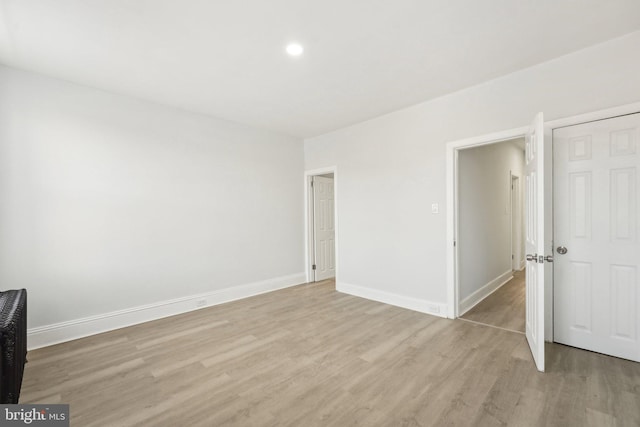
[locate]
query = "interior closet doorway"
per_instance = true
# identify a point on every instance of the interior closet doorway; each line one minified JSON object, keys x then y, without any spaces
{"x":596,"y":192}
{"x":320,"y":187}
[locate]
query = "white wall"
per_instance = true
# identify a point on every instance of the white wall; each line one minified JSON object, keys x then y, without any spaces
{"x":484,"y":215}
{"x":517,"y":222}
{"x":393,"y":168}
{"x":108,"y":203}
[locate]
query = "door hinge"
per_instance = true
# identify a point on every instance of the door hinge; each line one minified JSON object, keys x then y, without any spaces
{"x":512,"y":256}
{"x":311,"y":182}
{"x":313,"y":267}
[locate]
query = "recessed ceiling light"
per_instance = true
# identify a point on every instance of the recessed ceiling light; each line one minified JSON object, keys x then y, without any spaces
{"x":294,"y":49}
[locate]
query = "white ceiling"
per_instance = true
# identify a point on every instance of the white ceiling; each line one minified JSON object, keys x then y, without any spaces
{"x":363,"y":58}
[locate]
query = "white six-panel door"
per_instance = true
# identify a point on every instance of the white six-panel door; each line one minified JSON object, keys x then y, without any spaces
{"x":534,"y":244}
{"x":324,"y":228}
{"x":596,"y":192}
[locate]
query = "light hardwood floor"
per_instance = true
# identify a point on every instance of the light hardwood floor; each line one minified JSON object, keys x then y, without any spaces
{"x":505,"y":308}
{"x":308,"y":356}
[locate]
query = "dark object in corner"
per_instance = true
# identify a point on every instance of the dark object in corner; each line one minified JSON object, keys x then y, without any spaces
{"x":13,"y":343}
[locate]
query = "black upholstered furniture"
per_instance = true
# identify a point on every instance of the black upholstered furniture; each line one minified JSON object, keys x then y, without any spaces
{"x":13,"y":343}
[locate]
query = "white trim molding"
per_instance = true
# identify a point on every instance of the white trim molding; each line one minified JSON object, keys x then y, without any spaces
{"x":487,"y":289}
{"x":608,"y":113}
{"x":47,"y":335}
{"x":415,"y":304}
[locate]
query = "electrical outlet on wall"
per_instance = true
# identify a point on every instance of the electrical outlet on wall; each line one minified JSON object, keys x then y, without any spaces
{"x":435,"y":208}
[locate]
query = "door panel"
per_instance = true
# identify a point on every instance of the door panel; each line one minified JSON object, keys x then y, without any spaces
{"x":596,"y":191}
{"x":581,"y":289}
{"x":324,"y":228}
{"x":580,"y":204}
{"x":534,"y":218}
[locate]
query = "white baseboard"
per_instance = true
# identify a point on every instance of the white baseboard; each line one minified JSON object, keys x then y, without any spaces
{"x":47,"y":335}
{"x":475,"y":298}
{"x":415,"y":304}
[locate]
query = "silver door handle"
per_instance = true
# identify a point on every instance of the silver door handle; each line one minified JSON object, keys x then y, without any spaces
{"x":532,"y":257}
{"x":561,"y":250}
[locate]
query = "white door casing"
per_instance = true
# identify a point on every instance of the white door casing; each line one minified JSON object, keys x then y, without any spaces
{"x":596,"y":193}
{"x":534,"y":245}
{"x":323,"y":228}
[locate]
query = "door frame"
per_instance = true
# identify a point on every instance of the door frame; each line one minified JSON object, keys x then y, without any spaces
{"x":453,"y":148}
{"x":607,"y":113}
{"x":308,"y":217}
{"x":593,"y":116}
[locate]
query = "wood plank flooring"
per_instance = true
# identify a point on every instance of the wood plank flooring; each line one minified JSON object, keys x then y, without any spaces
{"x":310,"y":356}
{"x":505,"y":308}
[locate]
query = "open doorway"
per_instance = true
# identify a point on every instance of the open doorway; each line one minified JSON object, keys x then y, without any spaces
{"x":321,"y":225}
{"x":490,"y":222}
{"x":535,"y":217}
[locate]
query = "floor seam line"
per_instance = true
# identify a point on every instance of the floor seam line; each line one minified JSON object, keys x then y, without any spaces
{"x":492,"y":326}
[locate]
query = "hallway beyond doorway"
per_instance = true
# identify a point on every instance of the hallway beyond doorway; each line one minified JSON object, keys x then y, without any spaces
{"x":505,"y":308}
